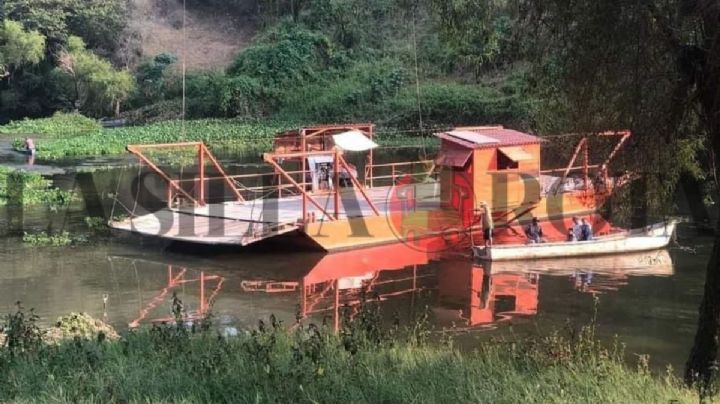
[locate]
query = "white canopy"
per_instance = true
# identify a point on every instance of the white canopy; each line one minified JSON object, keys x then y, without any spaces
{"x":353,"y":140}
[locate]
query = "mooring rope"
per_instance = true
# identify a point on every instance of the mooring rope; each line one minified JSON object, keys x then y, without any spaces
{"x":137,"y":193}
{"x":115,"y":195}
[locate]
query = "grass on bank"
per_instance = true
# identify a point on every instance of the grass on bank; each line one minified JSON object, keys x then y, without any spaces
{"x":309,"y":363}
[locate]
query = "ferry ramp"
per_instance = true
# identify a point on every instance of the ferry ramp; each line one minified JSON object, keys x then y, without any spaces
{"x":247,"y":222}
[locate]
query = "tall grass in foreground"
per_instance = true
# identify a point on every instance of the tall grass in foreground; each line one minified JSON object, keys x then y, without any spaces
{"x":309,"y":363}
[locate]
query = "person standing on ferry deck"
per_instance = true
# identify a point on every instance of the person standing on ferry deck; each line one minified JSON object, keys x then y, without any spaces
{"x":487,"y":222}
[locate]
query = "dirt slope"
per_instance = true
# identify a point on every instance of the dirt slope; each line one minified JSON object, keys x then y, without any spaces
{"x":212,"y":39}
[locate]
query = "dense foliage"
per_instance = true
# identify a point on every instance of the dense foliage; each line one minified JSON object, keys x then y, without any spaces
{"x":390,"y":61}
{"x":40,"y":29}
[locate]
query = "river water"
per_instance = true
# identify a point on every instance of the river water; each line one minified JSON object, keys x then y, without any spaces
{"x":648,"y":300}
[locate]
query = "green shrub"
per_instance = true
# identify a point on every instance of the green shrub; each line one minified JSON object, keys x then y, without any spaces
{"x":385,"y":93}
{"x":214,"y":94}
{"x":59,"y":125}
{"x":287,"y":55}
{"x":151,"y":76}
{"x":351,"y":95}
{"x":455,"y":104}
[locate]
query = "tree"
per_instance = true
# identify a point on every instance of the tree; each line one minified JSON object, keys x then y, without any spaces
{"x":653,"y":66}
{"x":97,"y":21}
{"x":476,"y":32}
{"x":273,"y":9}
{"x":46,"y":16}
{"x":151,"y":76}
{"x":92,"y":82}
{"x":19,"y":47}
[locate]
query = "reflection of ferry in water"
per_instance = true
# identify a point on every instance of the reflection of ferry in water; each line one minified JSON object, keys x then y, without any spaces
{"x":488,"y":292}
{"x":457,"y":290}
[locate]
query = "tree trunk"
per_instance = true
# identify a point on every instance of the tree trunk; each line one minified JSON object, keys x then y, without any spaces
{"x":692,"y":188}
{"x":638,"y":199}
{"x":701,"y":363}
{"x":703,"y":356}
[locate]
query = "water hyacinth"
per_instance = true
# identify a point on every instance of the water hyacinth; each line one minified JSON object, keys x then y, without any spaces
{"x":26,"y":188}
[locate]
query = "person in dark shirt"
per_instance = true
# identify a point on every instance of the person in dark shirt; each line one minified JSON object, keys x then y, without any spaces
{"x":534,"y":231}
{"x":576,"y":228}
{"x":585,"y":231}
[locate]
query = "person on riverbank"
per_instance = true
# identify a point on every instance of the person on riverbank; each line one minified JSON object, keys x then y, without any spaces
{"x":487,"y":222}
{"x":586,"y":233}
{"x":534,"y":232}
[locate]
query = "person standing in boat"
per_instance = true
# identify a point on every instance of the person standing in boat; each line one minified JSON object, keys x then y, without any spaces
{"x":29,"y":146}
{"x":576,"y":226}
{"x":534,"y":231}
{"x":487,"y":222}
{"x":585,"y":231}
{"x":571,"y":235}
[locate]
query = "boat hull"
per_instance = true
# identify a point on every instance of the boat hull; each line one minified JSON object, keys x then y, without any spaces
{"x":653,"y":238}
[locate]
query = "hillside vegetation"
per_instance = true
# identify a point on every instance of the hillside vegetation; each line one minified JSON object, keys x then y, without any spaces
{"x":394,"y":62}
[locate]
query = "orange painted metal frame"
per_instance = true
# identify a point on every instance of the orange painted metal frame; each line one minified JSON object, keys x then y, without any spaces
{"x":583,"y":146}
{"x":202,"y":153}
{"x":176,"y":279}
{"x":338,"y":161}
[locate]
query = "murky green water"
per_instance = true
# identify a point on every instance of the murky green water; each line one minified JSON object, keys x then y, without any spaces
{"x":650,"y":301}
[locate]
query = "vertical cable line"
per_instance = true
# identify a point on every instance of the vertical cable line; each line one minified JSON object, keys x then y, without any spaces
{"x":417,"y":72}
{"x":417,"y":81}
{"x":184,"y":67}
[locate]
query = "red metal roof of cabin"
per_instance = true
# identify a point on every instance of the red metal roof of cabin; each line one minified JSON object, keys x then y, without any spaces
{"x":482,"y":137}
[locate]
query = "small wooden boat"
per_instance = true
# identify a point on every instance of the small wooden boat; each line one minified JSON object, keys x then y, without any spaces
{"x":113,"y":122}
{"x":650,"y":238}
{"x":640,"y":263}
{"x":23,"y":150}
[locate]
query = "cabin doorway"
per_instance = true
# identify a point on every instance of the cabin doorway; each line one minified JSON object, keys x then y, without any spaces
{"x":462,"y":197}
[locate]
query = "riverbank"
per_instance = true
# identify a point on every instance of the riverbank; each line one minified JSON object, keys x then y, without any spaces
{"x":66,"y":136}
{"x":311,"y":364}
